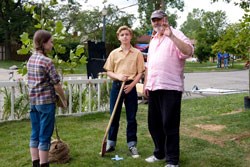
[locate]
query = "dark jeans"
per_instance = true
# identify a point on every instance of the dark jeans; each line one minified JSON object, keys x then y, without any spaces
{"x":131,"y":105}
{"x":164,"y":123}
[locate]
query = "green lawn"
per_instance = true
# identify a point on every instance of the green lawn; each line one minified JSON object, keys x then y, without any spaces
{"x":203,"y":143}
{"x":81,"y":69}
{"x":212,"y":67}
{"x":7,"y":63}
{"x":189,"y":67}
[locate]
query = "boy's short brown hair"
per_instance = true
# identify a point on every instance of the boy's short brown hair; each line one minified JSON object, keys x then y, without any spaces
{"x":124,"y":28}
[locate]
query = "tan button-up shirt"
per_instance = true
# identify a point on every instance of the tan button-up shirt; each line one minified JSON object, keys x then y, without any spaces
{"x":129,"y":64}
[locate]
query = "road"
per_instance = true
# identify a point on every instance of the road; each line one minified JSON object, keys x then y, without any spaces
{"x":235,"y":80}
{"x":4,"y":74}
{"x":220,"y":80}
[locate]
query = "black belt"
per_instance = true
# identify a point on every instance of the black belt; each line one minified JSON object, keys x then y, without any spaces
{"x":126,"y":83}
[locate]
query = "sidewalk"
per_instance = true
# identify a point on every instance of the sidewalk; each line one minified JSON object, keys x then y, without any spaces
{"x":5,"y":74}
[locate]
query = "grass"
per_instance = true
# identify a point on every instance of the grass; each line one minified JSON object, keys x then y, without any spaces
{"x":189,"y":67}
{"x":211,"y":67}
{"x":7,"y":63}
{"x":199,"y":146}
{"x":81,"y":69}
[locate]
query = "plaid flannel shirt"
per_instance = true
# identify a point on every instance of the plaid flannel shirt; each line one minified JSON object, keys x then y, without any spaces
{"x":42,"y":76}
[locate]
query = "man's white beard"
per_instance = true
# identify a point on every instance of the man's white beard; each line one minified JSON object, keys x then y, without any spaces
{"x":159,"y":29}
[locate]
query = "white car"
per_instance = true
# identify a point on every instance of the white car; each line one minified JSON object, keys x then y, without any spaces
{"x":192,"y":59}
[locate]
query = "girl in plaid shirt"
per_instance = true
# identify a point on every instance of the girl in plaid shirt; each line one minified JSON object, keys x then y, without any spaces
{"x":43,"y":82}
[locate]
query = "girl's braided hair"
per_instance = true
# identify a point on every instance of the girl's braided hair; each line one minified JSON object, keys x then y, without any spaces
{"x":41,"y":37}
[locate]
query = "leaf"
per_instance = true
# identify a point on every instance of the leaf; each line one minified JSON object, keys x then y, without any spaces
{"x":59,"y":27}
{"x":23,"y":71}
{"x":53,"y":2}
{"x":36,"y":16}
{"x":71,"y":55}
{"x":38,"y":26}
{"x":23,"y":51}
{"x":83,"y":60}
{"x":25,"y":38}
{"x":79,"y":50}
{"x":74,"y":64}
{"x":59,"y":48}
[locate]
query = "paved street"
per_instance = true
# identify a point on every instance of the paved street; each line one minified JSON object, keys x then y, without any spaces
{"x":236,"y":80}
{"x":4,"y":74}
{"x":220,"y":80}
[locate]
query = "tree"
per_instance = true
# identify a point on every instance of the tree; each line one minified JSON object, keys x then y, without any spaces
{"x":229,"y":41}
{"x":67,"y":13}
{"x":13,"y":20}
{"x":89,"y":23}
{"x":236,"y":37}
{"x":205,"y":28}
{"x":57,"y":29}
{"x":146,"y":7}
{"x":244,"y":4}
{"x":193,"y":23}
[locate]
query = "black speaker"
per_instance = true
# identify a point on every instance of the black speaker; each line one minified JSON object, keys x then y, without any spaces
{"x":96,"y":59}
{"x":94,"y":67}
{"x":96,"y":50}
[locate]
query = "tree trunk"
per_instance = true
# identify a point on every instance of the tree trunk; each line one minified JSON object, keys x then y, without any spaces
{"x":7,"y":44}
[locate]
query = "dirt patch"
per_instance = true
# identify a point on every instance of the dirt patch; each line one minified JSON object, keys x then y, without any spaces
{"x":211,"y":127}
{"x":198,"y":134}
{"x":213,"y":139}
{"x":233,"y":112}
{"x":241,"y":137}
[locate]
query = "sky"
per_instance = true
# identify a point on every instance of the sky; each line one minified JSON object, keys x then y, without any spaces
{"x":234,"y":13}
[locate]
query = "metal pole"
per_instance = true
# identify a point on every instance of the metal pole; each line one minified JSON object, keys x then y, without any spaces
{"x":104,"y":28}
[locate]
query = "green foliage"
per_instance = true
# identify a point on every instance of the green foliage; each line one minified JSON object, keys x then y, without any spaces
{"x":7,"y":103}
{"x":14,"y":19}
{"x":193,"y":23}
{"x":206,"y":28}
{"x":244,"y":4}
{"x":76,"y":55}
{"x":76,"y":98}
{"x":85,"y":100}
{"x":90,"y":23}
{"x":27,"y":44}
{"x":235,"y":40}
{"x":105,"y":94}
{"x":146,"y":7}
{"x":21,"y":105}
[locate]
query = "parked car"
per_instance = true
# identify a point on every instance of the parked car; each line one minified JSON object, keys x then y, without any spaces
{"x":192,"y":59}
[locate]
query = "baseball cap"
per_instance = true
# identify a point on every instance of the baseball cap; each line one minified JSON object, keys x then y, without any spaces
{"x":158,"y":14}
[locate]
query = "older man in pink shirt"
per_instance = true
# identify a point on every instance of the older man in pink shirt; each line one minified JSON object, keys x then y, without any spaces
{"x":164,"y":84}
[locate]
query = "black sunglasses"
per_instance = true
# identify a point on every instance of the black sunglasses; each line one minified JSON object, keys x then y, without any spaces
{"x":156,"y":19}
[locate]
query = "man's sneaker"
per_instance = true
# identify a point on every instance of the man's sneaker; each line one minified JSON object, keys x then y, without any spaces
{"x":152,"y":159}
{"x":110,"y":149}
{"x":170,"y":165}
{"x":134,"y":152}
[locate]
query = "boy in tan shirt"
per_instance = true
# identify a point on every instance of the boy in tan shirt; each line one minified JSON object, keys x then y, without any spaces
{"x":124,"y":64}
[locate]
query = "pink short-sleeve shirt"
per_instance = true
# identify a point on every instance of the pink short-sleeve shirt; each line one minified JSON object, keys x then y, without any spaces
{"x":166,"y":63}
